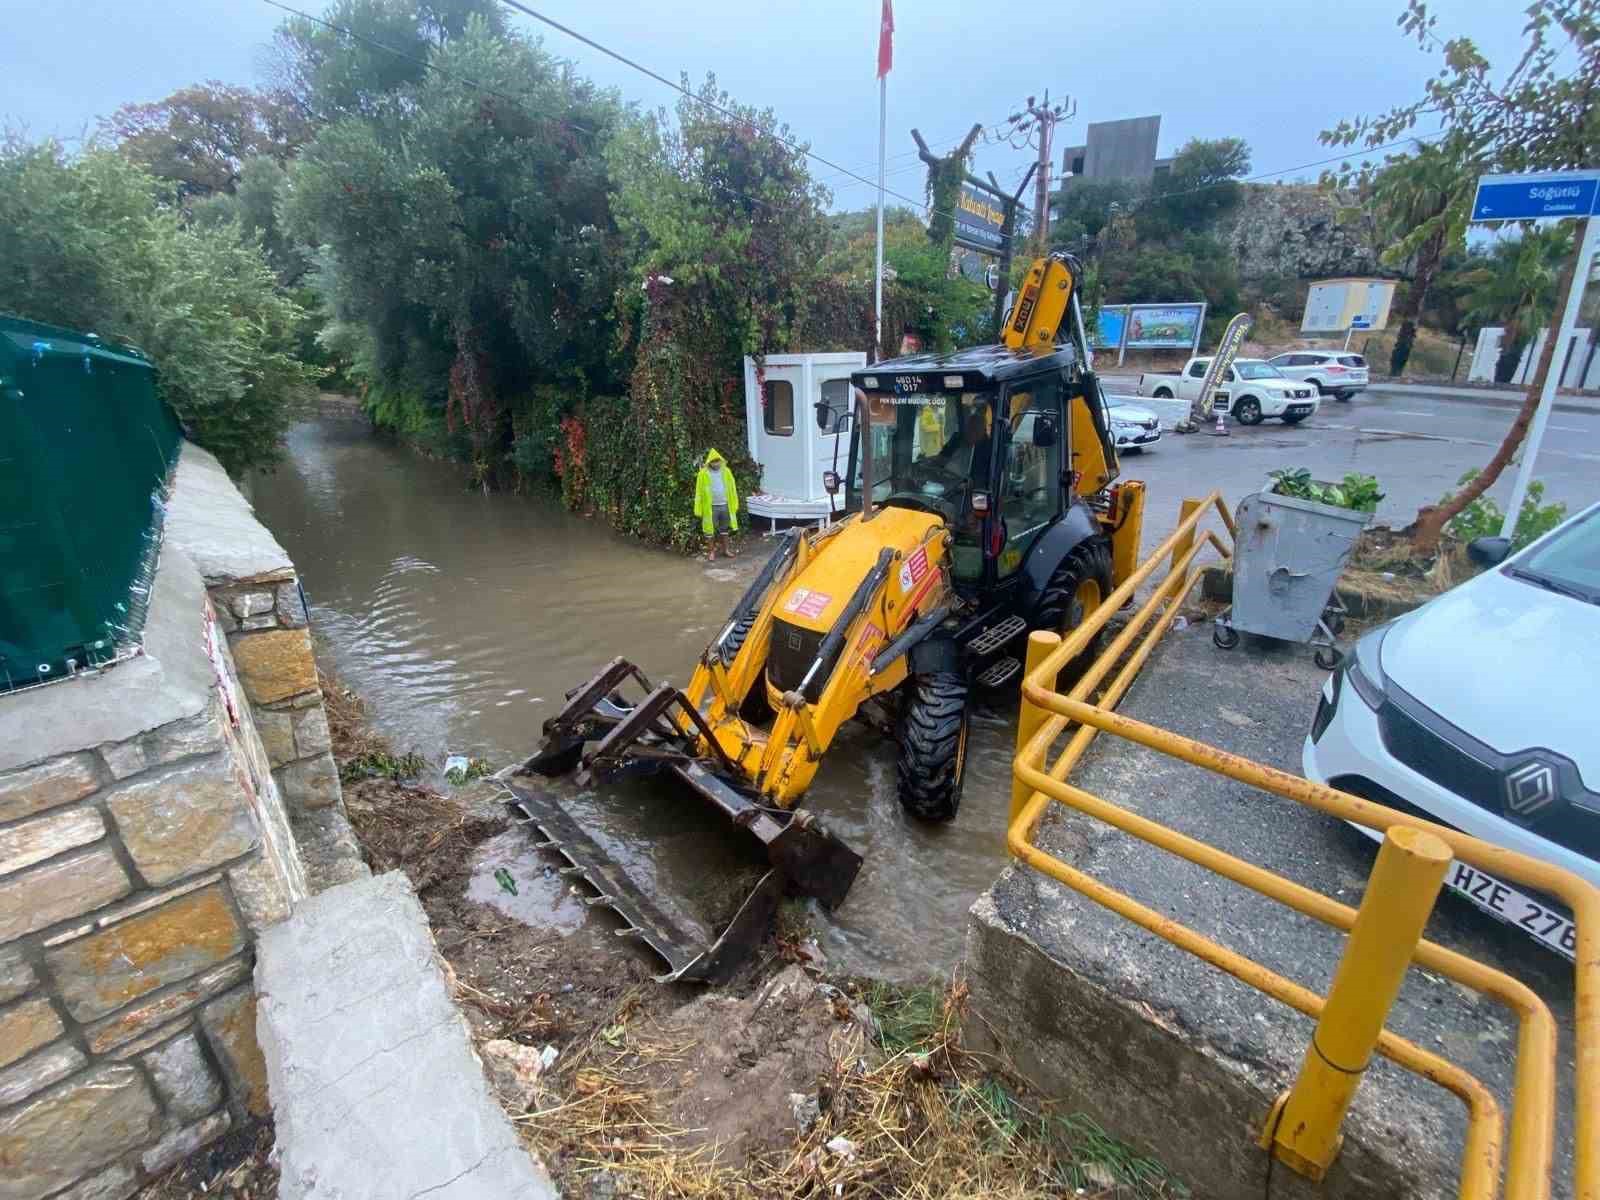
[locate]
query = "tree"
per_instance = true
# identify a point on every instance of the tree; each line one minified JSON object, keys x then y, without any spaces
{"x":1421,"y":200}
{"x":88,"y":242}
{"x":1199,"y":187}
{"x":467,"y":253}
{"x":1514,"y":286}
{"x":200,"y":136}
{"x":372,"y":69}
{"x":1543,"y":116}
{"x":253,"y":206}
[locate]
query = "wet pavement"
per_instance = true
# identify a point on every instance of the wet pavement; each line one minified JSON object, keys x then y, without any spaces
{"x":462,"y":618}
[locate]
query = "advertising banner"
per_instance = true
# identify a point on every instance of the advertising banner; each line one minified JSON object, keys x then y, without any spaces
{"x":1227,"y":350}
{"x":1165,"y":326}
{"x":979,"y":220}
{"x":1108,"y":331}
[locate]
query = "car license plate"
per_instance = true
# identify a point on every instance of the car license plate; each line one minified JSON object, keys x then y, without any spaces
{"x":1511,"y":906}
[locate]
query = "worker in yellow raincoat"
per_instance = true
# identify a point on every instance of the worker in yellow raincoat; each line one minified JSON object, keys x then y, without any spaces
{"x":716,"y":503}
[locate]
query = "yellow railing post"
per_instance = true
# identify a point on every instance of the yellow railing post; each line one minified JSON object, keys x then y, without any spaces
{"x":1302,"y":1129}
{"x":1186,"y":542}
{"x":1030,"y":716}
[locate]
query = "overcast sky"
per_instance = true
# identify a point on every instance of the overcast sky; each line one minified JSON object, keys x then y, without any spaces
{"x":1273,"y":73}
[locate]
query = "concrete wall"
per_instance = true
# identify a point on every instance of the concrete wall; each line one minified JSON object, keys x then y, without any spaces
{"x":148,"y":819}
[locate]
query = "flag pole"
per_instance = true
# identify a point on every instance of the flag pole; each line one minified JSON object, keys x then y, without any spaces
{"x":883,"y":114}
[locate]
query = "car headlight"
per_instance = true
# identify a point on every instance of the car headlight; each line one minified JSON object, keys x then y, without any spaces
{"x":1366,"y":669}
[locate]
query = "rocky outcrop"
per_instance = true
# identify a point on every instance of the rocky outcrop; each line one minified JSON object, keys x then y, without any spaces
{"x":1300,"y":231}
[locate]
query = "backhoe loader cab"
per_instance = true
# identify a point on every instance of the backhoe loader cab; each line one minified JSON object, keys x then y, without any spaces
{"x":981,"y":502}
{"x":998,"y":442}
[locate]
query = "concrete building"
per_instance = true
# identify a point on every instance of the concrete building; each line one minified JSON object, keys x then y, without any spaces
{"x":1124,"y":149}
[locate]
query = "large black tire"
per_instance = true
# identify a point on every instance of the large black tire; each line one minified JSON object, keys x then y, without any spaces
{"x":1064,"y":601}
{"x":1162,"y":393}
{"x":1248,"y":411}
{"x":933,"y":745}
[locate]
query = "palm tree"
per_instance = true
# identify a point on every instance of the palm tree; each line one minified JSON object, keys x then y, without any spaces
{"x":1421,"y":200}
{"x":1516,"y":288}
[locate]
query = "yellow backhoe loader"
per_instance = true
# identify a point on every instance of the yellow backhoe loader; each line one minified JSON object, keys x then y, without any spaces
{"x":980,"y":501}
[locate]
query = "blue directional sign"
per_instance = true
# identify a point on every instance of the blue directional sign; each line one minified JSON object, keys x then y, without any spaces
{"x":1529,"y":197}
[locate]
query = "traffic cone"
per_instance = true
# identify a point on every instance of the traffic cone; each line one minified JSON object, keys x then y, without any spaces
{"x":1222,"y":429}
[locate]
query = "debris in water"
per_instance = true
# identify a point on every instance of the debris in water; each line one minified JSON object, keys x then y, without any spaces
{"x":456,"y":762}
{"x":842,"y":1146}
{"x":503,"y":878}
{"x":1179,"y":624}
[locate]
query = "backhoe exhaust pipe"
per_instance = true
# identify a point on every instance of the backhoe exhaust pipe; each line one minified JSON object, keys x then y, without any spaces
{"x":864,"y":424}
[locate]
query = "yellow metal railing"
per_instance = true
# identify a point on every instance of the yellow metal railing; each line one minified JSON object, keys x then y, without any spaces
{"x":1385,"y":934}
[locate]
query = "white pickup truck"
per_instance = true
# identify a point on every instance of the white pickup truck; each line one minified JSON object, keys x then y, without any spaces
{"x":1251,"y":391}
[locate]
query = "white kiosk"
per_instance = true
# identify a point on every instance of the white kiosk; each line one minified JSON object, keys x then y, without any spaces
{"x":785,"y":436}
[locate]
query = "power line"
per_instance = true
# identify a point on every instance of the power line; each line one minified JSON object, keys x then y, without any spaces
{"x":798,"y":147}
{"x":565,"y":123}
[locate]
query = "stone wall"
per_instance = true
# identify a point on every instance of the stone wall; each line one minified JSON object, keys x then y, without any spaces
{"x":259,"y":606}
{"x":155,"y":818}
{"x":144,"y":845}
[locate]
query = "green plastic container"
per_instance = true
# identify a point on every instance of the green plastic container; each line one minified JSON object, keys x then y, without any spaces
{"x":87,"y":451}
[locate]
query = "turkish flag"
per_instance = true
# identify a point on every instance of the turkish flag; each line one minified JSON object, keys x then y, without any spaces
{"x":886,"y":40}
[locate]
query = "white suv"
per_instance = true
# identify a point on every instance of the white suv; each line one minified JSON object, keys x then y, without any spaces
{"x":1329,"y":371}
{"x":1478,"y":710}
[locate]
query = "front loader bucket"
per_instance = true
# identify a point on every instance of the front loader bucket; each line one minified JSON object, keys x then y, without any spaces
{"x":599,"y":736}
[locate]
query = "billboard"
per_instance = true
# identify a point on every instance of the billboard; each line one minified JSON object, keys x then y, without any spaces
{"x":979,"y":220}
{"x":1164,"y":326}
{"x":1109,"y":328}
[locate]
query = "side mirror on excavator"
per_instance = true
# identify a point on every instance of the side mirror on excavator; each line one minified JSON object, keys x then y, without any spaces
{"x":1044,"y":433}
{"x":830,"y":482}
{"x":824,"y":412}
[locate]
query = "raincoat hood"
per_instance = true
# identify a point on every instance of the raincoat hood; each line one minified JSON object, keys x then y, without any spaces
{"x":715,"y":456}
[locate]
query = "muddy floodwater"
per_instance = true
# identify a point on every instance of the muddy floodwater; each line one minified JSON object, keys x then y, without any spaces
{"x":462,"y":619}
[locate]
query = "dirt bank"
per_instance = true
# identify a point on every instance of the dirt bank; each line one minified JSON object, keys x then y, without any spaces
{"x":788,"y":1082}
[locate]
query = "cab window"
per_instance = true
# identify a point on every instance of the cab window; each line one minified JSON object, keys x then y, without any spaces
{"x":1197,"y":370}
{"x":1029,"y":484}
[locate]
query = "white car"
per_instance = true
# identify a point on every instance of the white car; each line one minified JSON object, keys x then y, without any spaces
{"x":1335,"y":372}
{"x":1251,"y":390}
{"x":1478,"y":711}
{"x":1133,"y":426}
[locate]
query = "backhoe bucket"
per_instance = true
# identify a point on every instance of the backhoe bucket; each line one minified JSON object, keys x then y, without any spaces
{"x":598,"y":737}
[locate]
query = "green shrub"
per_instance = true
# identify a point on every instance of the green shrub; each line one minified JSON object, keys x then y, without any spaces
{"x":90,"y":243}
{"x":1484,"y":518}
{"x":1355,"y":491}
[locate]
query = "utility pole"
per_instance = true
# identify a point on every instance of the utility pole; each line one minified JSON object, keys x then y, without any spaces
{"x":1035,"y":125}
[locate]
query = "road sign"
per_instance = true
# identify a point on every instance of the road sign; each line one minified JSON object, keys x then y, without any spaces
{"x":1361,"y":321}
{"x":1529,"y":197}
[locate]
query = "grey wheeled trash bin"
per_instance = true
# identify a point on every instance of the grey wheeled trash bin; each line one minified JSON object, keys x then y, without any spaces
{"x":1286,"y":560}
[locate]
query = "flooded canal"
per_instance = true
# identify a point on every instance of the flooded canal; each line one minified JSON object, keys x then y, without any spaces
{"x":462,"y":619}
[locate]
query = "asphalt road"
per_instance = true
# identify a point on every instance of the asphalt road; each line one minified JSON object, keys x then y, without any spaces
{"x":1417,"y":444}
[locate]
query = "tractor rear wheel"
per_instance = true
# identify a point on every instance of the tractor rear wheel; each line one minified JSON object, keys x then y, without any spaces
{"x":1079,"y":586}
{"x":934,"y":721}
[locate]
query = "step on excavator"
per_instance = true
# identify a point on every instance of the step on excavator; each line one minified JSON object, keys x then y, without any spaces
{"x":980,"y":501}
